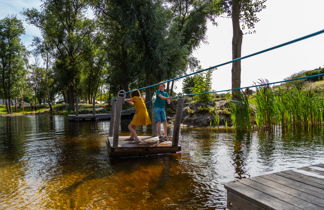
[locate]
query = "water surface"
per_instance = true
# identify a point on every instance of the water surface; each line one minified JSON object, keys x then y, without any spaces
{"x":48,"y":162}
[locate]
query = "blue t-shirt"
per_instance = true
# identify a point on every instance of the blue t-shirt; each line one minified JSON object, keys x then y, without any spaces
{"x":159,"y":102}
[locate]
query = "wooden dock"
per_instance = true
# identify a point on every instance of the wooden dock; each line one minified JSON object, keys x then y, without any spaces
{"x":149,"y":145}
{"x":301,"y":188}
{"x":101,"y":116}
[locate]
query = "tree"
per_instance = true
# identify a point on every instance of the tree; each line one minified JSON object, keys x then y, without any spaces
{"x":43,"y":49}
{"x":243,"y":13}
{"x":95,"y":69}
{"x":64,"y":28}
{"x":12,"y":58}
{"x":150,"y":41}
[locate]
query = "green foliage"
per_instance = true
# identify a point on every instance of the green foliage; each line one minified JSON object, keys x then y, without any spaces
{"x":289,"y":106}
{"x":65,"y":31}
{"x":240,"y":112}
{"x":297,"y":107}
{"x":264,"y":105}
{"x":12,"y":59}
{"x":202,"y":84}
{"x":248,"y":11}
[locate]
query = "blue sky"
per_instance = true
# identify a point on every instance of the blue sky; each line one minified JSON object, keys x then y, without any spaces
{"x":281,"y":21}
{"x":15,"y":8}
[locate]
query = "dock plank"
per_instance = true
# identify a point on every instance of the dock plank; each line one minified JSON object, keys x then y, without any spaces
{"x":280,"y":195}
{"x":314,"y":170}
{"x":290,"y":191}
{"x":303,"y":178}
{"x":257,"y":197}
{"x":317,"y":192}
{"x":301,"y":188}
{"x":320,"y":165}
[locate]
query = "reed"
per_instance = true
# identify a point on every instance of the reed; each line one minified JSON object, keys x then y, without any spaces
{"x":296,"y":107}
{"x":240,"y":112}
{"x":265,"y":103}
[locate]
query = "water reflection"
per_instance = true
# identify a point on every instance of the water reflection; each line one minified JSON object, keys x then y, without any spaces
{"x":241,"y":148}
{"x":47,"y":162}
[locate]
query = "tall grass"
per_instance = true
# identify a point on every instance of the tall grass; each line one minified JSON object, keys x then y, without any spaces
{"x":298,"y":107}
{"x":240,"y":112}
{"x":290,"y":107}
{"x":265,"y":106}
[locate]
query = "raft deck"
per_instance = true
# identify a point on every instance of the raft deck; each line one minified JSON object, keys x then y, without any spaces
{"x":149,"y":145}
{"x":301,"y":188}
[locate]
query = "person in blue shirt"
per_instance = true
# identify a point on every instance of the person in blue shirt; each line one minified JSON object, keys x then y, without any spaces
{"x":159,"y":113}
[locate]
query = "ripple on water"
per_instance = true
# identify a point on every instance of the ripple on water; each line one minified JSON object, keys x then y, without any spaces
{"x":47,"y":162}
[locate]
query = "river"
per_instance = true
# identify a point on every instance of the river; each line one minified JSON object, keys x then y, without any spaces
{"x":48,"y":162}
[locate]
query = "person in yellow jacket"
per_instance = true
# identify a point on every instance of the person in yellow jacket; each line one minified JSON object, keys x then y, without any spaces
{"x":141,"y":116}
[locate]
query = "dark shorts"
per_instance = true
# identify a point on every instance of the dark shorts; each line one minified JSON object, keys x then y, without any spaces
{"x":159,"y":115}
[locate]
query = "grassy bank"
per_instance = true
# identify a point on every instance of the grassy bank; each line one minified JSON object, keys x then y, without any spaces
{"x":60,"y":109}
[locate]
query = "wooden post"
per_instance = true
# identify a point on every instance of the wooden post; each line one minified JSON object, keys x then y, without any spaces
{"x":77,"y":107}
{"x":154,"y":133}
{"x":94,"y":107}
{"x":119,"y":106}
{"x":177,"y":122}
{"x":112,"y":117}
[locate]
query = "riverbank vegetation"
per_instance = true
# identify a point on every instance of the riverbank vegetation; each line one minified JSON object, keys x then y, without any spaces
{"x":293,"y":104}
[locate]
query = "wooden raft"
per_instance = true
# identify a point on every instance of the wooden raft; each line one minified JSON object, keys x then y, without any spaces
{"x":149,"y":145}
{"x":301,"y":188}
{"x":117,"y":146}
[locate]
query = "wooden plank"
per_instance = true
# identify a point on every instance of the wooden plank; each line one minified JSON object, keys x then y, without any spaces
{"x":291,"y":191}
{"x":321,"y":173}
{"x":154,"y":132}
{"x":146,"y":141}
{"x":177,"y":122}
{"x":236,"y":202}
{"x":257,"y":197}
{"x":320,"y":165}
{"x":280,"y":195}
{"x":113,"y":108}
{"x":303,"y":178}
{"x":317,"y":192}
{"x":119,"y":106}
{"x":132,"y":151}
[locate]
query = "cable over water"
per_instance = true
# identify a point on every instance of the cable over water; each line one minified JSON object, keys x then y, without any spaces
{"x":236,"y":59}
{"x":252,"y":86}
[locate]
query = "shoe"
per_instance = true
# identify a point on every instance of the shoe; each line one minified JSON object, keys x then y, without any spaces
{"x":129,"y":139}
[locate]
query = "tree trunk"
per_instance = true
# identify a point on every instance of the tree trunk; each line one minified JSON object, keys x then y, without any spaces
{"x":50,"y":106}
{"x":94,"y":106}
{"x":236,"y":48}
{"x":71,"y":97}
{"x":171,"y":90}
{"x":9,"y":104}
{"x":148,"y":97}
{"x":7,"y":107}
{"x":168,"y":87}
{"x":15,"y":105}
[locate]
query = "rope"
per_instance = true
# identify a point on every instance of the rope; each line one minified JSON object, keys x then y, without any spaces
{"x":252,"y":86}
{"x":235,"y":60}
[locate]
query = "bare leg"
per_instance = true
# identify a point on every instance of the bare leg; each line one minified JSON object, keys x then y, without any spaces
{"x":165,"y":129}
{"x":158,"y":129}
{"x":132,"y":129}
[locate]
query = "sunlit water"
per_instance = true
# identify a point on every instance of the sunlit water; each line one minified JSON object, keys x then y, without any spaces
{"x":47,"y":162}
